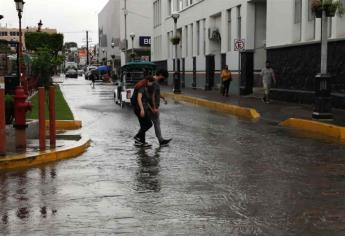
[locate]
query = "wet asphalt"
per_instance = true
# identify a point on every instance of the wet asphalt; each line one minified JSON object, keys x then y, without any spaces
{"x":220,"y":176}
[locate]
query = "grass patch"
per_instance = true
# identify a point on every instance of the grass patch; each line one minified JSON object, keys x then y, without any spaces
{"x":63,"y":112}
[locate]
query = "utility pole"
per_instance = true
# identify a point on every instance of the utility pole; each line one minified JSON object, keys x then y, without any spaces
{"x":125,"y":15}
{"x":87,"y":47}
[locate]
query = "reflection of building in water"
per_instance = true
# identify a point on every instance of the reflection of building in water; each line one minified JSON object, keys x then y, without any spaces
{"x":147,"y":175}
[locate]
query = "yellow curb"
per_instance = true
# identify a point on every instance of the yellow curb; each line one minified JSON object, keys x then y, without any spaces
{"x":66,"y":124}
{"x":245,"y":112}
{"x":38,"y":158}
{"x":329,"y":130}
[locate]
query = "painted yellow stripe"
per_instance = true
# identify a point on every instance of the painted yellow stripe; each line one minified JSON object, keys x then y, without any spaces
{"x":33,"y":159}
{"x":325,"y":129}
{"x":66,"y":124}
{"x":223,"y":107}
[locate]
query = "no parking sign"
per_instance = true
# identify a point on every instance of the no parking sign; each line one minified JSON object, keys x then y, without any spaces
{"x":239,"y":44}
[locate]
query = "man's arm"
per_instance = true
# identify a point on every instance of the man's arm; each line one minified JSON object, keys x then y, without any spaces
{"x":274,"y":77}
{"x":140,"y":103}
{"x":154,"y":101}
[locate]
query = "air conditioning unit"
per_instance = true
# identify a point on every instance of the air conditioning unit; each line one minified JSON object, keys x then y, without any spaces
{"x":214,"y":34}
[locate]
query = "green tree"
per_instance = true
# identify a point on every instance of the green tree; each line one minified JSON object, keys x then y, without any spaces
{"x":45,"y":46}
{"x":43,"y":65}
{"x":36,"y":40}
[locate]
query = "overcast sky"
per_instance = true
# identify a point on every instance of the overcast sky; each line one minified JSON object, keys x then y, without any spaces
{"x":70,"y":17}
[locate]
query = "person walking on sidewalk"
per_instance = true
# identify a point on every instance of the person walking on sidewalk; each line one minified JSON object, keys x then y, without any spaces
{"x":226,"y":79}
{"x":155,"y":96}
{"x":140,"y":103}
{"x":268,"y":76}
{"x":93,"y":80}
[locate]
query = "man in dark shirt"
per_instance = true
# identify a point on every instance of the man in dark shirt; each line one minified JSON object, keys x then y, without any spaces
{"x":140,"y":102}
{"x":155,"y":96}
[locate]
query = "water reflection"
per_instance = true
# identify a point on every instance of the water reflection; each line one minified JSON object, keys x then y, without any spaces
{"x":147,"y":175}
{"x":22,"y":195}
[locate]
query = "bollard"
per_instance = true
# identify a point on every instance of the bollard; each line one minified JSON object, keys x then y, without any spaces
{"x":2,"y":123}
{"x":52,"y":127}
{"x":41,"y":118}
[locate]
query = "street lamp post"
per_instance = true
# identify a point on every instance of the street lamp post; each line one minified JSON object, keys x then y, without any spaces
{"x":113,"y":46}
{"x":39,"y":24}
{"x":323,"y":100}
{"x":125,"y":13}
{"x":19,"y":8}
{"x":177,"y":76}
{"x":132,"y":35}
{"x":106,"y":55}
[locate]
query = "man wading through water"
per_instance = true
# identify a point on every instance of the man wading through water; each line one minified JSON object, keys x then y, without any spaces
{"x":155,"y":96}
{"x":140,"y":103}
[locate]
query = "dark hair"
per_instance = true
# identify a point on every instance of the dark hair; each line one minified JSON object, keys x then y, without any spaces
{"x":163,"y":73}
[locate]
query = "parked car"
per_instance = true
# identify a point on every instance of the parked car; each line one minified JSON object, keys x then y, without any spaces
{"x":80,"y":72}
{"x":71,"y":73}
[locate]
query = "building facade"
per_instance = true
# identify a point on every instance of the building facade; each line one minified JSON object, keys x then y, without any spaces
{"x":114,"y":29}
{"x":285,"y":32}
{"x":12,"y":34}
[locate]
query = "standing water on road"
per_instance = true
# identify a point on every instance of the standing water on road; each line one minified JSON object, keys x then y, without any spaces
{"x":219,"y":176}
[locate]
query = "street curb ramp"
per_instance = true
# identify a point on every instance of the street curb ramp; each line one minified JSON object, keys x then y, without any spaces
{"x":27,"y":160}
{"x":329,"y":130}
{"x":244,"y":112}
{"x":66,"y":124}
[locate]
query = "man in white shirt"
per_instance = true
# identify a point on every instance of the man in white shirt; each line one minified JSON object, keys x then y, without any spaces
{"x":267,"y":75}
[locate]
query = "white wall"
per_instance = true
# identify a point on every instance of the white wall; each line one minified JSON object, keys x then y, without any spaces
{"x":108,"y":21}
{"x":279,"y":22}
{"x":282,"y":31}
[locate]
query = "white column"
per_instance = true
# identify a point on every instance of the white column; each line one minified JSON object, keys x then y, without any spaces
{"x":224,"y":31}
{"x":184,"y":41}
{"x":202,"y":37}
{"x":207,"y":26}
{"x":233,"y":26}
{"x":174,"y":5}
{"x":190,"y":40}
{"x":195,"y":39}
{"x":248,"y":24}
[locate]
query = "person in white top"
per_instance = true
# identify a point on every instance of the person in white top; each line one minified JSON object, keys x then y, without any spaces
{"x":268,"y":76}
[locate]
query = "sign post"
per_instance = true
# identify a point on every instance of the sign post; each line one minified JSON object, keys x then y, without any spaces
{"x":239,"y":45}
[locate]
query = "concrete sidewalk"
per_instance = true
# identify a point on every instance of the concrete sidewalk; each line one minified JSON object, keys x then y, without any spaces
{"x":274,"y":112}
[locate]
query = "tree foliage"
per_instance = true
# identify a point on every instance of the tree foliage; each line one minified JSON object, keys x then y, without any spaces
{"x":36,"y":40}
{"x":43,"y":65}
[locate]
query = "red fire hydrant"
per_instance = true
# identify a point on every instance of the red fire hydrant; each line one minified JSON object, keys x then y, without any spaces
{"x":20,"y":107}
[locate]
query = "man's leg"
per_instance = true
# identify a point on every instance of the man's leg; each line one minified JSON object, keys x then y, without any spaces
{"x":265,"y":92}
{"x":227,"y":84}
{"x":157,"y":125}
{"x":145,"y":125}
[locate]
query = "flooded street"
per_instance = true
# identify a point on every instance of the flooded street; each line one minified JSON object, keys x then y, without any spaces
{"x":220,"y":176}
